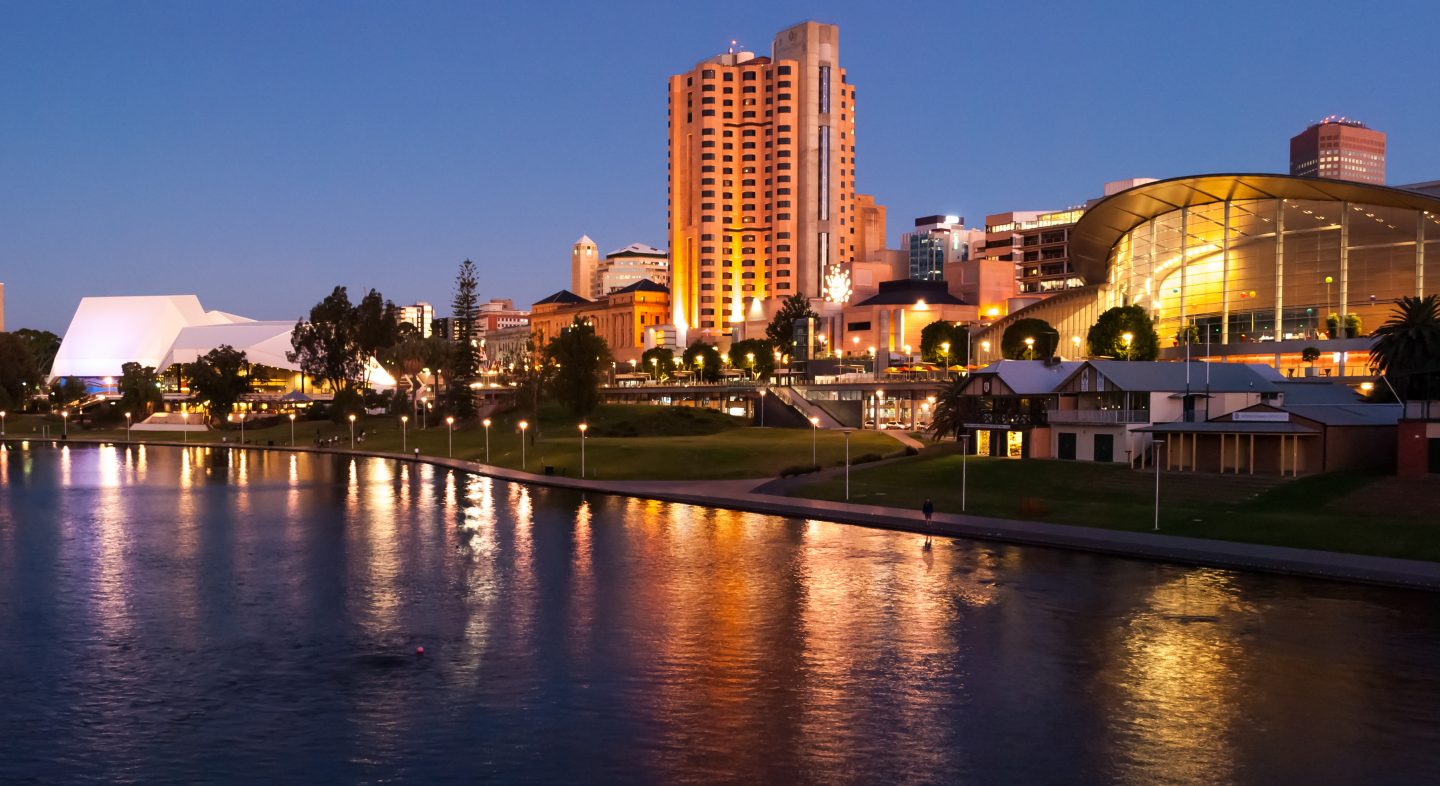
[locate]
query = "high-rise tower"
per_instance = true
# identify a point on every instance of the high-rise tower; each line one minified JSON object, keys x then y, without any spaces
{"x":584,"y":267}
{"x":762,"y":178}
{"x":1339,"y":148}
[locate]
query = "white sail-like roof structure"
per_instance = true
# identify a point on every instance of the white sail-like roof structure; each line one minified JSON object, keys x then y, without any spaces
{"x":161,"y":330}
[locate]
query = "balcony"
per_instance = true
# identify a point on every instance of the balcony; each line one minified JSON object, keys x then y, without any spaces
{"x":1098,"y":417}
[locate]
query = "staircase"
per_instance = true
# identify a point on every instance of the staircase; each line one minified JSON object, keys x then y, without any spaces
{"x":804,"y":406}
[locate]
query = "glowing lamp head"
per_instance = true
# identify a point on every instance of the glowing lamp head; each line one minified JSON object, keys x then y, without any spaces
{"x":1029,"y":341}
{"x":584,"y":427}
{"x":524,"y":424}
{"x":449,"y":421}
{"x":403,"y":418}
{"x":351,"y":417}
{"x":292,"y":417}
{"x":814,"y":421}
{"x":1127,"y":337}
{"x":485,"y":422}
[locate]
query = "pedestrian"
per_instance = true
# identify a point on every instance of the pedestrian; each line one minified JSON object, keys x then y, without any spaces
{"x":928,"y":509}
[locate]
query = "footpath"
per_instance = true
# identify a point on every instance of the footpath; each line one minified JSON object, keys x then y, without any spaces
{"x":751,"y":496}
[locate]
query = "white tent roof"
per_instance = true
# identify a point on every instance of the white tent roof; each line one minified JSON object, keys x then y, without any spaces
{"x":161,"y":330}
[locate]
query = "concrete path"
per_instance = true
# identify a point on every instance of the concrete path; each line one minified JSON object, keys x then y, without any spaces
{"x":743,"y":495}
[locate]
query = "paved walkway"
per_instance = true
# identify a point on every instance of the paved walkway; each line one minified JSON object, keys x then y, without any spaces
{"x":743,"y":495}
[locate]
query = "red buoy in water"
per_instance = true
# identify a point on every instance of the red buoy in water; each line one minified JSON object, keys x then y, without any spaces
{"x":419,"y":650}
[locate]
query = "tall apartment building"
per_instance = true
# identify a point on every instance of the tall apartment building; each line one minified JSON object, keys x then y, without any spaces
{"x":938,"y":241}
{"x":1039,"y":245}
{"x":762,"y":178}
{"x":584,"y":267}
{"x":630,"y":264}
{"x":1339,"y":148}
{"x":420,"y":315}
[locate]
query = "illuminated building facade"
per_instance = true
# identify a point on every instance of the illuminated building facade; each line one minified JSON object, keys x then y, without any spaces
{"x":761,"y":180}
{"x":633,"y":263}
{"x":1039,"y":245}
{"x":1259,"y":265}
{"x":1340,"y":149}
{"x":937,"y":242}
{"x":621,"y":317}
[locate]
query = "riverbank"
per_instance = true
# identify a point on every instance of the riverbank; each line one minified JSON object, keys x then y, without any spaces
{"x":743,"y":495}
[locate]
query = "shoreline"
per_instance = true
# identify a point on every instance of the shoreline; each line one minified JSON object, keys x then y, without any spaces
{"x":741,"y":495}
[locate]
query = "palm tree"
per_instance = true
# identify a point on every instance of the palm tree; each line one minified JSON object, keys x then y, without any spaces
{"x":949,"y":417}
{"x":1408,"y":344}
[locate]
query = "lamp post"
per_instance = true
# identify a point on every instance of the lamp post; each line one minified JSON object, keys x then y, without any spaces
{"x":486,"y":424}
{"x":945,"y":354}
{"x":846,"y":432}
{"x":762,"y":407}
{"x":750,"y":362}
{"x":127,"y":426}
{"x":1339,"y":325}
{"x":352,"y":430}
{"x":450,"y":436}
{"x":815,"y":441}
{"x":64,"y":424}
{"x":583,"y":428}
{"x":699,"y":368}
{"x":985,"y":347}
{"x":2,"y":423}
{"x":655,"y":364}
{"x":242,"y":428}
{"x":404,"y":436}
{"x":292,"y":429}
{"x":964,"y":467}
{"x":1029,"y":347}
{"x":523,"y":426}
{"x":1129,"y":339}
{"x":1076,"y":341}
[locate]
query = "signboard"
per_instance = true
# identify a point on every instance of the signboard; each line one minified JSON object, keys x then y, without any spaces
{"x":1261,"y":417}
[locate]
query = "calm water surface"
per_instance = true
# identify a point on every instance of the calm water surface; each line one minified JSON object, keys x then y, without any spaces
{"x":193,"y":615}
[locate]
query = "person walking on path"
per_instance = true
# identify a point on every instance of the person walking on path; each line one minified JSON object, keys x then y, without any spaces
{"x":928,"y":508}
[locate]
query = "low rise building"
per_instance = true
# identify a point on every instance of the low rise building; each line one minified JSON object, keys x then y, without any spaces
{"x":621,"y":318}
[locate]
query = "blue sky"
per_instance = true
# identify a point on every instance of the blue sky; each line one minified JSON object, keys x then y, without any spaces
{"x":260,"y":153}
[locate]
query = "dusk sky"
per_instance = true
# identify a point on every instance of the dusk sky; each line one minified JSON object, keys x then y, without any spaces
{"x":258,"y":154}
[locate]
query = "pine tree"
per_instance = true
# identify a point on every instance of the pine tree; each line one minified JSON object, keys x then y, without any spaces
{"x":464,"y":309}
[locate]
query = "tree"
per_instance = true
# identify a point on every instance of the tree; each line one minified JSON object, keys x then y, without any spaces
{"x":658,"y":362}
{"x":1106,"y":338}
{"x":1012,"y":342}
{"x":327,"y":346}
{"x":377,"y":328}
{"x":139,"y":388}
{"x":754,"y":355}
{"x":19,"y":373}
{"x":781,"y":330}
{"x":219,"y":378}
{"x":43,"y":347}
{"x":465,"y":358}
{"x":1310,"y":355}
{"x":708,"y":368}
{"x":578,"y":357}
{"x":948,"y":418}
{"x":945,"y":342}
{"x":1407,"y":346}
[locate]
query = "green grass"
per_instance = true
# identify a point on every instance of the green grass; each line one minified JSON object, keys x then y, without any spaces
{"x":678,"y":443}
{"x":1301,"y":513}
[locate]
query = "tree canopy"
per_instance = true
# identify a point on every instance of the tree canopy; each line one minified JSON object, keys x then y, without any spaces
{"x":139,"y":388}
{"x":19,"y":373}
{"x":327,"y":345}
{"x":219,"y":378}
{"x":465,"y":356}
{"x":43,"y":347}
{"x":948,"y":418}
{"x":658,"y":362}
{"x":945,"y":342}
{"x":1407,"y":347}
{"x":781,"y":330}
{"x":762,"y":364}
{"x":578,"y":357}
{"x":1012,"y":342}
{"x":708,"y":366}
{"x":1106,"y":338}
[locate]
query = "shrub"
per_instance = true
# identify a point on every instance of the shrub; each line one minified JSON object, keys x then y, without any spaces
{"x":799,"y":469}
{"x":866,"y":458}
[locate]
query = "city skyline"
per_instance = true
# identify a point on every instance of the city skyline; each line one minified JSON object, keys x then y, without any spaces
{"x":251,"y":159}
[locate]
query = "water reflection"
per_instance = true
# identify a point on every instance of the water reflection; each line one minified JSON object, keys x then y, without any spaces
{"x":216,"y":614}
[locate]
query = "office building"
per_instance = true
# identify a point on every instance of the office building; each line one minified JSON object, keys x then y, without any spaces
{"x":762,"y":179}
{"x":938,"y":241}
{"x":419,"y":316}
{"x":1340,"y":149}
{"x":633,"y":263}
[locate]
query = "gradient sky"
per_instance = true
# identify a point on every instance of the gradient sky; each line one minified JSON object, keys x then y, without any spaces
{"x":259,"y":153}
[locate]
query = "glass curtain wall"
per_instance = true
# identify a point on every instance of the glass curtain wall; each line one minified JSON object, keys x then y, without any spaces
{"x":1274,"y":269}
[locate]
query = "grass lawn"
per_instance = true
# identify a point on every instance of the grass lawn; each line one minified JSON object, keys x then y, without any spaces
{"x":1303,"y":513}
{"x":673,"y":443}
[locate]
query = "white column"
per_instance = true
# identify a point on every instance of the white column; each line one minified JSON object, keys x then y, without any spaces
{"x":1344,"y":268}
{"x":1225,"y":278}
{"x":1279,"y":273}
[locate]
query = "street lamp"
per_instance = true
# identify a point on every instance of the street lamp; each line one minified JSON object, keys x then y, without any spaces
{"x":65,"y":424}
{"x":762,"y":407}
{"x":750,"y":362}
{"x":1129,"y":339}
{"x":185,"y":426}
{"x":985,"y":347}
{"x":583,"y":428}
{"x":127,"y":426}
{"x":1339,"y":327}
{"x":486,"y":424}
{"x":523,"y":426}
{"x":1029,"y":347}
{"x":846,"y":432}
{"x":1076,"y":341}
{"x":351,"y":417}
{"x":292,"y":429}
{"x":450,"y":435}
{"x":404,"y":420}
{"x":814,"y":441}
{"x":655,"y":364}
{"x":2,"y":422}
{"x":242,"y":428}
{"x":945,"y":354}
